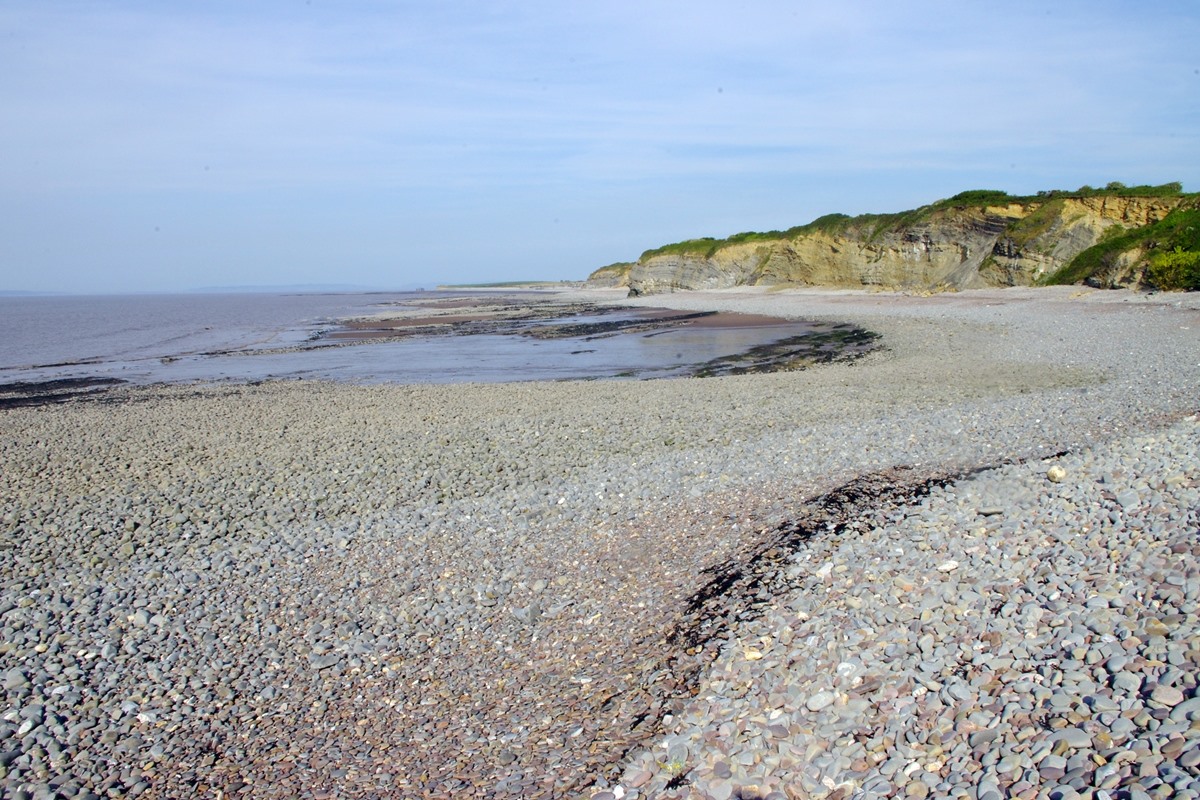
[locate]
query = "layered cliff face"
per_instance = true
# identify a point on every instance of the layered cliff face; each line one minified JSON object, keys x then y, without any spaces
{"x":612,"y":276}
{"x":945,"y":250}
{"x":948,"y":245}
{"x":1051,"y":235}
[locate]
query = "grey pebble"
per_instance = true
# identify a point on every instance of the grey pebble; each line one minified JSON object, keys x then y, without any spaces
{"x":337,"y":569}
{"x":819,"y":701}
{"x":324,"y":661}
{"x":15,"y":679}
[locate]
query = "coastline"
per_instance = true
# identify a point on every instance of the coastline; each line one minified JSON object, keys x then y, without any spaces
{"x":419,"y":338}
{"x":464,"y":590}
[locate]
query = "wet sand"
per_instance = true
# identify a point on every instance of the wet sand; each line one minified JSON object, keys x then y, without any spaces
{"x":507,"y":316}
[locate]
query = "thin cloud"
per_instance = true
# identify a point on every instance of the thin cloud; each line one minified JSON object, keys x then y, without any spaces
{"x":488,"y":105}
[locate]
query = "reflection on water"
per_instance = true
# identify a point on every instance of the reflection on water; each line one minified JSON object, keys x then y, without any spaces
{"x":152,"y":339}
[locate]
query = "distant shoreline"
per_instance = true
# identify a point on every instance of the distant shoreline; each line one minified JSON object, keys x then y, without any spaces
{"x":458,"y":287}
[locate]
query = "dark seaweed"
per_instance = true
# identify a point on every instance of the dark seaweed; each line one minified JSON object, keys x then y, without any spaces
{"x":39,"y":393}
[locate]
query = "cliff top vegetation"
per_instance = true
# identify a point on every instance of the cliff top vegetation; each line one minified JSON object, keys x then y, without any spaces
{"x":876,"y":224}
{"x":1170,"y":247}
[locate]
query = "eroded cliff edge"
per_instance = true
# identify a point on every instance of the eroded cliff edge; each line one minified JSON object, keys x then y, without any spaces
{"x":973,"y":240}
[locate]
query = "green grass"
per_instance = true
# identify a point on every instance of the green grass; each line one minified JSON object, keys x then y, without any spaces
{"x":1037,"y":223}
{"x":1117,"y":189}
{"x":876,"y":225}
{"x":617,"y":270}
{"x":979,"y":197}
{"x":1178,"y":231}
{"x":702,"y":248}
{"x":706,"y":246}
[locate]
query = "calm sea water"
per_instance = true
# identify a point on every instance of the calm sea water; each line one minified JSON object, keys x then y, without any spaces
{"x":236,"y":337}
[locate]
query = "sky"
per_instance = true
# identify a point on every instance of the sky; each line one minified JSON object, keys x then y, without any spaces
{"x":149,"y":146}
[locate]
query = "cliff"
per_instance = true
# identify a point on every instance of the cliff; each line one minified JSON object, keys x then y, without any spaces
{"x":975,"y":239}
{"x":611,"y":276}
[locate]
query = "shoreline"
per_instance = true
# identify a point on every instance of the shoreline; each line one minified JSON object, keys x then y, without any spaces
{"x":517,"y":336}
{"x":502,"y":316}
{"x":799,"y":345}
{"x":464,"y":590}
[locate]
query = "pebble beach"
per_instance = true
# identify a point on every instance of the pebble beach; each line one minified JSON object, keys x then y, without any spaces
{"x":962,"y":565}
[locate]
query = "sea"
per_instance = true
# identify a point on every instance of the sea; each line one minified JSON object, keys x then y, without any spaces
{"x":257,"y":336}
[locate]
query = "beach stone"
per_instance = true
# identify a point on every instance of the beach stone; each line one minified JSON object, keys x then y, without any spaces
{"x":1116,"y":663}
{"x":819,"y":701}
{"x":1100,"y":704}
{"x":1056,"y":474}
{"x":1127,"y":682}
{"x":277,"y":521}
{"x":1188,"y":709}
{"x":1128,"y":499}
{"x":1052,"y":767}
{"x":15,"y":679}
{"x":1155,"y":627}
{"x":1009,"y":764}
{"x":1167,"y":695}
{"x":325,"y":661}
{"x":984,"y":737}
{"x":636,"y":778}
{"x":1072,"y":737}
{"x":720,"y":789}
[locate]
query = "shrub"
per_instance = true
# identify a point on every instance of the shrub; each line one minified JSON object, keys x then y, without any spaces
{"x":702,"y":247}
{"x":1179,"y":230}
{"x":980,"y":197}
{"x":876,"y":225}
{"x":1178,"y":269}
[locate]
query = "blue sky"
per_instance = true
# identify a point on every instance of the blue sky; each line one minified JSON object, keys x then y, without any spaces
{"x":151,"y":146}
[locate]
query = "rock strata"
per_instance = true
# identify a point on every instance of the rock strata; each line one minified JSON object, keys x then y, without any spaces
{"x":946,"y":246}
